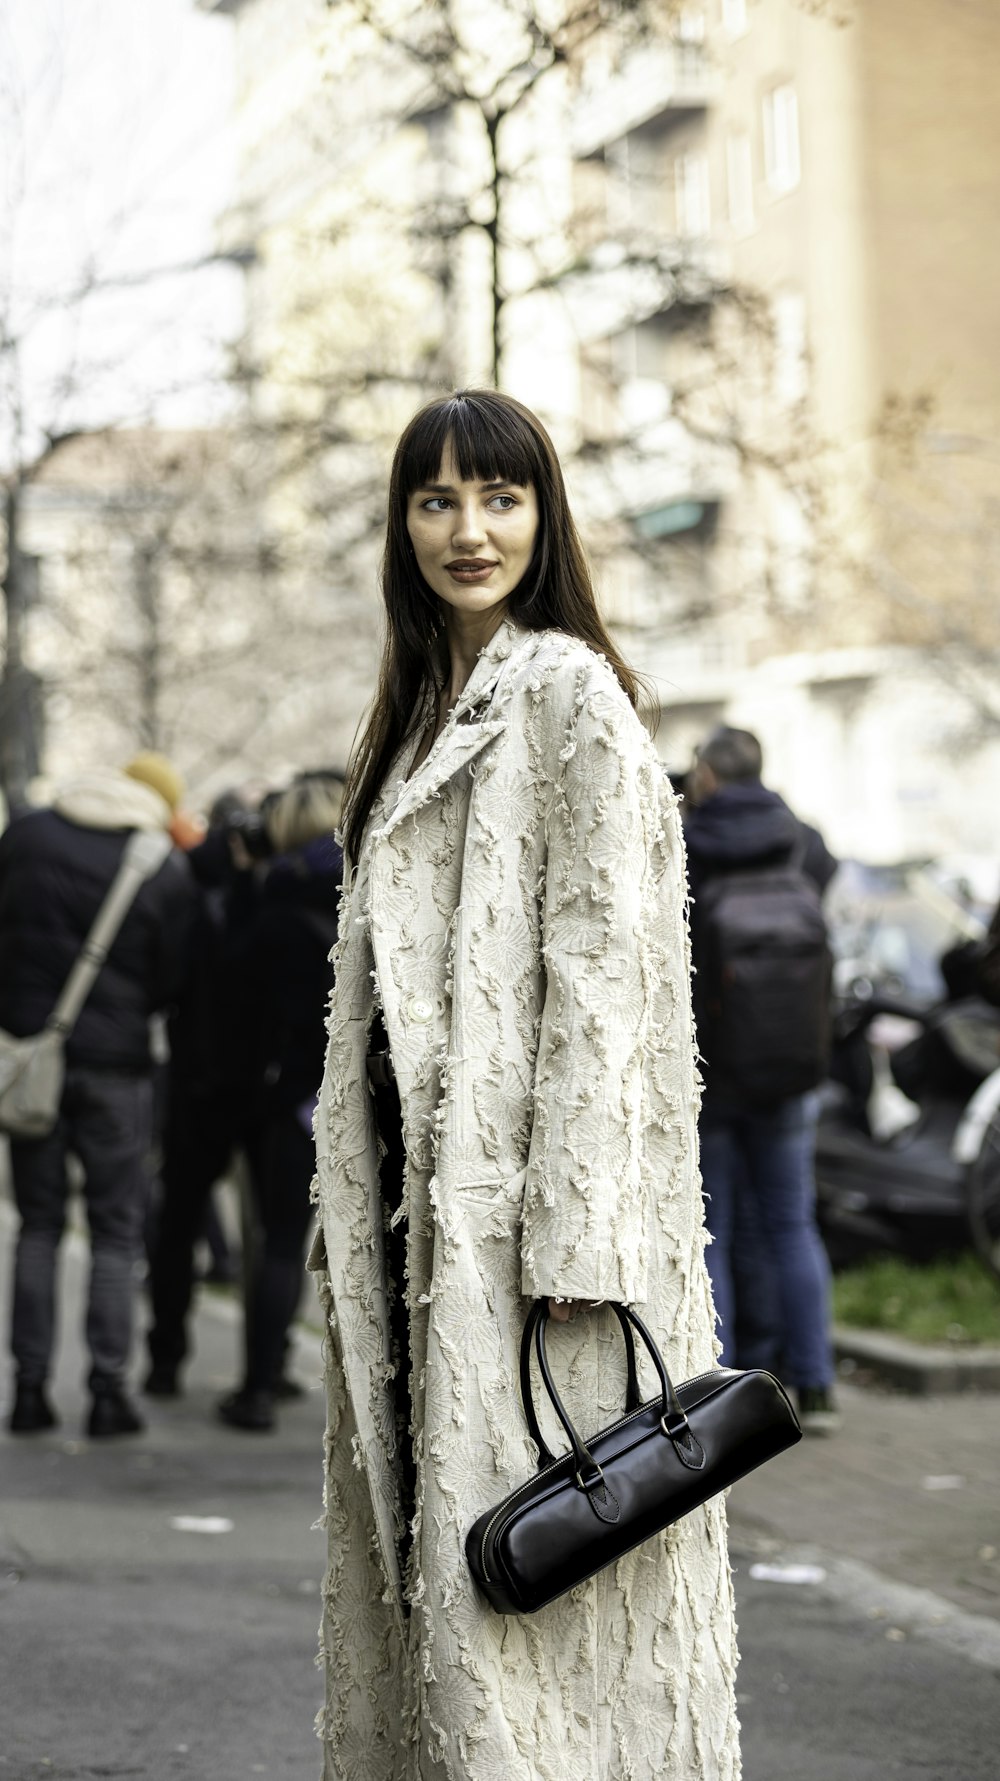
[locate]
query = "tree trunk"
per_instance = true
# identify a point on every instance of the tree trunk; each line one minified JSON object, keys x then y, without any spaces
{"x":493,"y":230}
{"x":20,"y":704}
{"x":147,"y":594}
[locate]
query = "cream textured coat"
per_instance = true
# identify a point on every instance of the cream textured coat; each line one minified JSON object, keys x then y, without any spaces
{"x":519,"y":905}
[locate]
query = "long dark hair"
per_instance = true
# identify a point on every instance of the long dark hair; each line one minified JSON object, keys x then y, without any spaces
{"x":494,"y":438}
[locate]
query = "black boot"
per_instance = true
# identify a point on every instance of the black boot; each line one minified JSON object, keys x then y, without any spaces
{"x":248,"y":1409}
{"x":161,"y":1381}
{"x":286,"y":1389}
{"x":32,"y":1411}
{"x":111,"y":1413}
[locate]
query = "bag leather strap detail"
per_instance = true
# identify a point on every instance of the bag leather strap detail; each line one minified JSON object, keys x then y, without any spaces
{"x":673,"y":1420}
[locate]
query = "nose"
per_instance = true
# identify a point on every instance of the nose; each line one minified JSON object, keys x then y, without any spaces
{"x":469,"y":532}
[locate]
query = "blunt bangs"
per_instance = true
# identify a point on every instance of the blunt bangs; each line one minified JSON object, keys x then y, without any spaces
{"x":490,"y":439}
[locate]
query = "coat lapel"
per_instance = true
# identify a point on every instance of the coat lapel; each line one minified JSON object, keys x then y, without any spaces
{"x":458,"y":744}
{"x":474,"y":723}
{"x":349,"y":1192}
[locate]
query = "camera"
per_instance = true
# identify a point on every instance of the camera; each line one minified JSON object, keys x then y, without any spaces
{"x":250,"y":826}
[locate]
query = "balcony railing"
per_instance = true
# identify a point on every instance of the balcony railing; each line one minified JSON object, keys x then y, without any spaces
{"x":653,"y":85}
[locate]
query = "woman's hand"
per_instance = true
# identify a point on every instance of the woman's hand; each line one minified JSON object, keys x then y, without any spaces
{"x":564,"y":1310}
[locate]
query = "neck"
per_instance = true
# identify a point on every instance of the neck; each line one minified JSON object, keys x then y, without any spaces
{"x":467,"y":633}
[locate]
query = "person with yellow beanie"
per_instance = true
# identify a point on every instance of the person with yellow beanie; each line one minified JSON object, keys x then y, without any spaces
{"x":149,"y":768}
{"x":154,"y":770}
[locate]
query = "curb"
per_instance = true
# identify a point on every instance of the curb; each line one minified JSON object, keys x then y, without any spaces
{"x":914,"y":1613}
{"x":912,"y":1367}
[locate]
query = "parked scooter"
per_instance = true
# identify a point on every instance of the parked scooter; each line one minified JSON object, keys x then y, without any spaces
{"x":908,"y":1144}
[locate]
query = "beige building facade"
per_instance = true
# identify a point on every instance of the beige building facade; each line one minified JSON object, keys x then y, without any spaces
{"x":748,"y":276}
{"x":838,"y":180}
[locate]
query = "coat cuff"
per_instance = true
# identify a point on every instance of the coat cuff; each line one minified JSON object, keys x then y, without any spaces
{"x":597,"y":1262}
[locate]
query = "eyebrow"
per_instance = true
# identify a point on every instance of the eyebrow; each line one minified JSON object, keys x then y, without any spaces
{"x":447,"y":488}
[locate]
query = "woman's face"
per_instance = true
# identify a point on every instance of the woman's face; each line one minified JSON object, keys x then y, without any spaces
{"x":473,"y":541}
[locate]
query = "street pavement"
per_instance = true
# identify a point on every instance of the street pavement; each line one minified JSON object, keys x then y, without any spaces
{"x":129,"y":1645}
{"x":888,"y":1661}
{"x":159,"y":1596}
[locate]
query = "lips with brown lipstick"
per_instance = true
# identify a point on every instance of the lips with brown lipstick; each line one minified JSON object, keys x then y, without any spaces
{"x":470,"y":569}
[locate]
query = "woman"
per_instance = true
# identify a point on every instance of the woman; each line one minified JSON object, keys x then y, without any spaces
{"x":280,"y":970}
{"x":515,"y":917}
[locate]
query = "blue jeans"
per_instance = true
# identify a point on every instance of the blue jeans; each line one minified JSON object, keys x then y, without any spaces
{"x":757,"y":1172}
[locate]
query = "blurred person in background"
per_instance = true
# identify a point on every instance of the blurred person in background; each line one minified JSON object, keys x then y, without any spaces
{"x":761,"y":999}
{"x":988,"y":982}
{"x":972,"y":968}
{"x":209,"y":1112}
{"x":281,"y":981}
{"x":56,"y":866}
{"x":187,"y":830}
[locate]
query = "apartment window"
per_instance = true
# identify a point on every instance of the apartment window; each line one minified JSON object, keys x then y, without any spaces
{"x":691,"y":25}
{"x":619,"y":191}
{"x":790,"y":563}
{"x":734,"y":17}
{"x":691,"y":194}
{"x":691,"y":41}
{"x":790,"y":352}
{"x":781,"y":138}
{"x":739,"y":180}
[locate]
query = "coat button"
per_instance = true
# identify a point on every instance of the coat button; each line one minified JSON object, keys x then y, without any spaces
{"x":420,"y":1009}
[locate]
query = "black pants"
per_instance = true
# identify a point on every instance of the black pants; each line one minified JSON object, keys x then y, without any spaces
{"x":388,"y":1117}
{"x":202,"y":1130}
{"x":282,"y":1179}
{"x":106,"y":1120}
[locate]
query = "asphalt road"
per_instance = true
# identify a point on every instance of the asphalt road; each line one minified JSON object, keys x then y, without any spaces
{"x":130,"y":1646}
{"x":828,"y":1696}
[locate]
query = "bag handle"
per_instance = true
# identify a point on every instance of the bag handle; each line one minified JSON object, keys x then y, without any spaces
{"x":145,"y":852}
{"x":632,"y":1398}
{"x":673,"y":1420}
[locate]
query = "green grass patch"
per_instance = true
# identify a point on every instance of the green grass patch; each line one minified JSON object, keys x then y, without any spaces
{"x":949,"y":1300}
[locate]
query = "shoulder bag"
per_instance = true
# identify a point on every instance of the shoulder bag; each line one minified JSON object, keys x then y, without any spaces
{"x":32,"y":1069}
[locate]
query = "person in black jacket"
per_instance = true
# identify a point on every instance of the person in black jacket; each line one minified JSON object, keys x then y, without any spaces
{"x":768,"y":1266}
{"x":972,"y":968}
{"x":282,"y":981}
{"x":210,"y":1098}
{"x":56,"y":866}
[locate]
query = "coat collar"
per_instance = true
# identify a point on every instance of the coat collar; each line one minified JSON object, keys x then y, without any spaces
{"x":475,"y":720}
{"x":490,"y":664}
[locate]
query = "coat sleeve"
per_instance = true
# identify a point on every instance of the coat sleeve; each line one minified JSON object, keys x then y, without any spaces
{"x":584,"y":1218}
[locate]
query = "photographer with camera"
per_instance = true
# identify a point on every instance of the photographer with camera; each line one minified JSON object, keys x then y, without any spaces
{"x":210,"y":1109}
{"x":281,"y":984}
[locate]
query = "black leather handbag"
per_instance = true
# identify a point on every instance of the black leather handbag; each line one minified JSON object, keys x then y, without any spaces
{"x":584,"y":1510}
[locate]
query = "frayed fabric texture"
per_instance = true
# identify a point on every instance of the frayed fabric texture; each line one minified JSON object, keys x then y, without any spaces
{"x":519,"y":908}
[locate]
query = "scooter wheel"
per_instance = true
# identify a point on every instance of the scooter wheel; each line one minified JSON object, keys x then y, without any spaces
{"x":982,"y":1187}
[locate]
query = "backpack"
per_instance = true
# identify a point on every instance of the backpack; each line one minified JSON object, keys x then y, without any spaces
{"x":766,"y":970}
